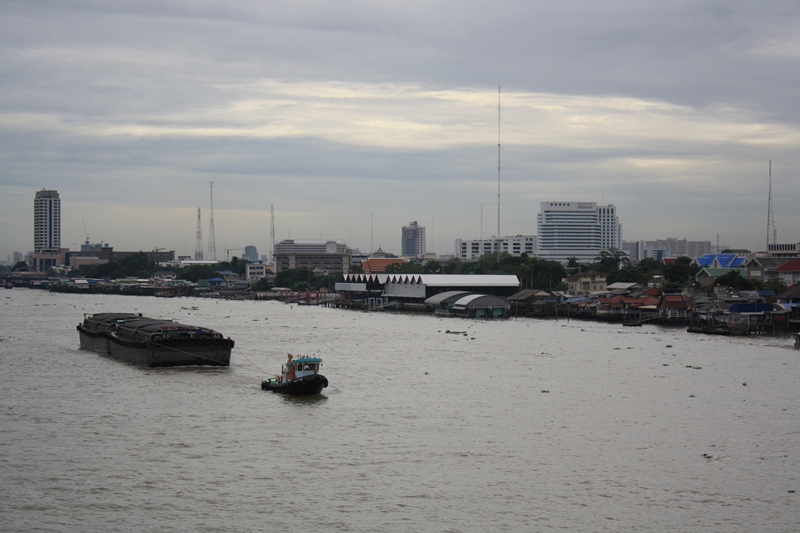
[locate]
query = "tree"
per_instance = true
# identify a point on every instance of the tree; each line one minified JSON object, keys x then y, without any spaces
{"x":671,"y":287}
{"x":405,"y":268}
{"x":262,"y":285}
{"x":735,"y":281}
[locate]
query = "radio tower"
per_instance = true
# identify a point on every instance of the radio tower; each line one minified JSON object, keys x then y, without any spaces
{"x":212,"y":247}
{"x":498,"y":168}
{"x":272,"y":231}
{"x":770,"y":214}
{"x":198,"y":247}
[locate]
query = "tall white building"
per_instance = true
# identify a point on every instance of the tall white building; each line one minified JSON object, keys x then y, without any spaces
{"x":517,"y":245}
{"x":46,"y":221}
{"x":413,"y":241}
{"x":577,"y":229}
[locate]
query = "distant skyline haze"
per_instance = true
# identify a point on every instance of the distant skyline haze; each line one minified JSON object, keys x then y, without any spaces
{"x":353,"y":119}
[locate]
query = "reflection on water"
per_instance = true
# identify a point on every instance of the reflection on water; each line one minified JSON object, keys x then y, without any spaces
{"x":517,"y":425}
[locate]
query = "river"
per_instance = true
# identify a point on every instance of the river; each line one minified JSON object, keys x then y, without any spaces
{"x":429,"y":424}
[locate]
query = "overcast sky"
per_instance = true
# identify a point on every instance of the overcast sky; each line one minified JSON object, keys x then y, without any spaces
{"x":356,"y":117}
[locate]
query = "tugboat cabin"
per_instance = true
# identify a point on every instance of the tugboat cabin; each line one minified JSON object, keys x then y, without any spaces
{"x":300,"y":367}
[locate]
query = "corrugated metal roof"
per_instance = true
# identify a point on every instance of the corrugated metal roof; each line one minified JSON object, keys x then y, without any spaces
{"x":439,"y":280}
{"x":442,"y":296}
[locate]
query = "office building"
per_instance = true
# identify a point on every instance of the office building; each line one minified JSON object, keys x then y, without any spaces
{"x":517,"y":245}
{"x":46,"y":221}
{"x":319,"y":255}
{"x":413,"y":241}
{"x":665,"y":248}
{"x":577,"y":229}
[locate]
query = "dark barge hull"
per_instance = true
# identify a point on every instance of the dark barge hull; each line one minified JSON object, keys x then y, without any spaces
{"x":93,"y":331}
{"x":305,"y":386}
{"x":171,"y":354}
{"x":190,"y":346}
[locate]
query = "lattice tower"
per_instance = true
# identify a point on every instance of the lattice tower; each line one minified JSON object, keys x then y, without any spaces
{"x":272,"y":230}
{"x":198,"y":247}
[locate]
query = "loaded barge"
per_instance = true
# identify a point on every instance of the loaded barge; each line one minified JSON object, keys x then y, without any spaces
{"x":153,"y":342}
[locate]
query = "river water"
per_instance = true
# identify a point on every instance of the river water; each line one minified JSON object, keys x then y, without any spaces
{"x":512,"y":425}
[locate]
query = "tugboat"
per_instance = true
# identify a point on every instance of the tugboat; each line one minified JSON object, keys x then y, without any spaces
{"x":299,"y":377}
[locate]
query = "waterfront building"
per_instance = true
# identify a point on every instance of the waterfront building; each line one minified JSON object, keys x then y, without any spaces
{"x":320,"y":255}
{"x":413,"y":240}
{"x":665,"y":248}
{"x":577,"y":229}
{"x":255,"y":271}
{"x":378,"y":290}
{"x":588,"y":281}
{"x":469,"y":250}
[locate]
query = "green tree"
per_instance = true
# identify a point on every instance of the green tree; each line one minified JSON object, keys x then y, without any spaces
{"x":453,"y":266}
{"x":671,"y":287}
{"x":405,"y":268}
{"x":735,"y":281}
{"x":194,"y":273}
{"x":21,"y":266}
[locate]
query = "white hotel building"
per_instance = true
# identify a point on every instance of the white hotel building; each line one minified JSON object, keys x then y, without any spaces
{"x":577,"y":229}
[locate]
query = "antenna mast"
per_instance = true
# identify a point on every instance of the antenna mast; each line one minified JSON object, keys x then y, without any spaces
{"x":212,"y":247}
{"x":770,"y":214}
{"x":198,"y":247}
{"x":371,"y":231}
{"x":498,"y":162}
{"x":272,"y":229}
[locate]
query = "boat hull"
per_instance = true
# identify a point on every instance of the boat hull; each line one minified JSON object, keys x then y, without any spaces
{"x":305,"y":386}
{"x":188,"y":346}
{"x":155,"y":355}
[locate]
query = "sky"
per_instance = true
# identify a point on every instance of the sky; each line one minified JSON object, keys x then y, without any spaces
{"x":353,"y":118}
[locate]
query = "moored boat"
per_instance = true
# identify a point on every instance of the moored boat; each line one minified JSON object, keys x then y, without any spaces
{"x":153,"y":342}
{"x":298,"y":377}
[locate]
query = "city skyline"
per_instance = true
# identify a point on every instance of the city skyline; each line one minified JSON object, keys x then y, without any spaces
{"x":353,"y":120}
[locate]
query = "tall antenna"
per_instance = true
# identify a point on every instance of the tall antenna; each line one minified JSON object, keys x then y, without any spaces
{"x":498,"y":162}
{"x":272,"y":230}
{"x":212,"y":247}
{"x":198,"y":247}
{"x":371,"y":249}
{"x":770,"y":214}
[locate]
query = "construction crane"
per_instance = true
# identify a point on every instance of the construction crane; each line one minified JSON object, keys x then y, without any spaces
{"x":85,"y":231}
{"x":229,"y":250}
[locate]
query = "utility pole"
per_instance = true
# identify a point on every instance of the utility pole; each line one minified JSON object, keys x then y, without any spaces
{"x":212,"y":247}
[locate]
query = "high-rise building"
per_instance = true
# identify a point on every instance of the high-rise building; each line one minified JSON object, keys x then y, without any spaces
{"x":46,"y":221}
{"x":577,"y":229}
{"x":250,"y":253}
{"x":413,"y":241}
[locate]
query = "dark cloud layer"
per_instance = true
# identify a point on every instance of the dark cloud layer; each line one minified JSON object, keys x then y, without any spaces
{"x":333,"y":111}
